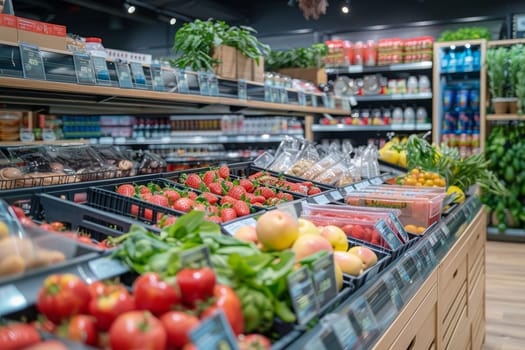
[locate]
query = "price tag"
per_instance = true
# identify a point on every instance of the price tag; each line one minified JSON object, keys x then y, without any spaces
{"x":302,"y":294}
{"x":293,"y":208}
{"x":399,"y":227}
{"x":301,"y":97}
{"x":196,"y":257}
{"x":363,"y":316}
{"x":157,"y":83}
{"x":11,"y":299}
{"x":344,"y":331}
{"x":427,"y":255}
{"x":104,"y":268}
{"x":232,"y":227}
{"x":203,"y":84}
{"x":139,"y":78}
{"x":388,"y":235}
{"x":320,"y":199}
{"x":32,"y":63}
{"x":182,"y":81}
{"x":360,"y":185}
{"x":444,"y":228}
{"x":101,"y":70}
{"x":214,"y":333}
{"x":348,"y":189}
{"x":327,"y":339}
{"x":394,"y":290}
{"x":409,"y":270}
{"x":376,"y":181}
{"x":324,"y":279}
{"x":213,"y":84}
{"x":124,"y":75}
{"x":336,"y":195}
{"x":380,"y":302}
{"x":242,"y":90}
{"x":84,"y":69}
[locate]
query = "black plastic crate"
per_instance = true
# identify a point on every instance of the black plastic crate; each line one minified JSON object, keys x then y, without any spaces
{"x":383,"y":260}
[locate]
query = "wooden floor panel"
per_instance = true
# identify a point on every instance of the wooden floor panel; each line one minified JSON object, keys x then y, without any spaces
{"x":505,"y":286}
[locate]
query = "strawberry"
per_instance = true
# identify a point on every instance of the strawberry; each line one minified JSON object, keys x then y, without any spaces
{"x":209,"y":177}
{"x":224,"y":172}
{"x":159,"y":199}
{"x":183,"y":204}
{"x":287,"y":197}
{"x":314,"y":190}
{"x":272,"y":201}
{"x":172,"y":195}
{"x":228,"y":200}
{"x":247,"y":184}
{"x":241,"y":208}
{"x":144,"y":189}
{"x":212,"y":210}
{"x":210,"y":197}
{"x":193,"y":181}
{"x":192,"y":195}
{"x":227,"y":184}
{"x":146,"y":196}
{"x":266,"y":192}
{"x":257,"y":199}
{"x":215,"y":188}
{"x":307,"y":184}
{"x":237,"y":191}
{"x":127,"y":190}
{"x":199,"y":207}
{"x":228,"y":214}
{"x":167,"y":220}
{"x":214,"y":218}
{"x":256,"y":175}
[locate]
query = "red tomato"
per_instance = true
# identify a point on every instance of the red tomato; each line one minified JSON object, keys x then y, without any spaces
{"x":108,"y":306}
{"x":82,"y":328}
{"x":58,"y":226}
{"x":19,"y":212}
{"x":137,"y":330}
{"x":227,"y":301}
{"x":178,"y":326}
{"x":99,"y":288}
{"x":18,"y":335}
{"x":254,"y":342}
{"x":153,"y":294}
{"x":196,"y":285}
{"x":62,"y":296}
{"x":47,"y":345}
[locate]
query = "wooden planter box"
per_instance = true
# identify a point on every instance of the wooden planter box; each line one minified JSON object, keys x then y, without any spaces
{"x":234,"y":65}
{"x":315,"y":75}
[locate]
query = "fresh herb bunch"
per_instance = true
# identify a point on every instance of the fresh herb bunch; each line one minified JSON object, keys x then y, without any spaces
{"x":195,"y":41}
{"x":296,"y":58}
{"x":496,"y":70}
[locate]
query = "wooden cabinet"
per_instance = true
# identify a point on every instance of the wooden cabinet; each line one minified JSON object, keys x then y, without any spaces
{"x":448,"y":310}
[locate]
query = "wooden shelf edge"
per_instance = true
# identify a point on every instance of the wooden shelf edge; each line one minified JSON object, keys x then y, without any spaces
{"x":504,"y":117}
{"x":508,"y":42}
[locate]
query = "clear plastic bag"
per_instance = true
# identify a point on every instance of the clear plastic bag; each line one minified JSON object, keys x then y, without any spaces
{"x":321,"y":166}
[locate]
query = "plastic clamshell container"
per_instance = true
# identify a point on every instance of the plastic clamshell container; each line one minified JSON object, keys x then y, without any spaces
{"x":400,"y":188}
{"x":420,"y":209}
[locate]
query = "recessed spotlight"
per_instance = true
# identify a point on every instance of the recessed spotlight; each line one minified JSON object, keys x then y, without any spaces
{"x":345,"y":9}
{"x":130,"y":8}
{"x":173,"y":20}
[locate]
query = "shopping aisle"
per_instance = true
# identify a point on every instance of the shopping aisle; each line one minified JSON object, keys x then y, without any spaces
{"x":505,"y":296}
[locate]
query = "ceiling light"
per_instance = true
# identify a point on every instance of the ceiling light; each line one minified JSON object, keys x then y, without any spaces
{"x":173,"y":20}
{"x":345,"y":7}
{"x":130,"y":8}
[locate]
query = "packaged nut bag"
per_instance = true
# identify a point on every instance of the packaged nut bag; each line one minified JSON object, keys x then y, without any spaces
{"x":308,"y":157}
{"x":322,"y":165}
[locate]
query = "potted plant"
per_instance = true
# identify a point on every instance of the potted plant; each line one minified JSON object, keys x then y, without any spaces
{"x":496,"y":68}
{"x":516,"y":57}
{"x":214,"y":45}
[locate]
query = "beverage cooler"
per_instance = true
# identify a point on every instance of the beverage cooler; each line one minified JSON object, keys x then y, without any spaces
{"x":459,"y":95}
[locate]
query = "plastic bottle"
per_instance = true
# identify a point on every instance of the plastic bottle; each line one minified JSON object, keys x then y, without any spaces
{"x":95,"y":48}
{"x":468,"y":62}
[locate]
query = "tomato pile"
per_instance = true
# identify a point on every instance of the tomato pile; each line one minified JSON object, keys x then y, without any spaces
{"x":157,"y":314}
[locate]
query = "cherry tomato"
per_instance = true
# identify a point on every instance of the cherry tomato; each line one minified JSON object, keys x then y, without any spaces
{"x":62,"y":296}
{"x":99,"y":288}
{"x":178,"y":326}
{"x":58,"y":226}
{"x":17,"y":336}
{"x":137,"y":330}
{"x":82,"y":328}
{"x":153,"y":294}
{"x":108,"y":306}
{"x":227,"y":301}
{"x":196,"y":285}
{"x":254,"y":342}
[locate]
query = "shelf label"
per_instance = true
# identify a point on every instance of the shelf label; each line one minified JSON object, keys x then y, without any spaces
{"x":363,"y":316}
{"x":104,"y":268}
{"x":320,"y":199}
{"x":426,"y":255}
{"x":393,"y":287}
{"x":348,"y":189}
{"x":84,"y":69}
{"x":444,"y":228}
{"x":32,"y":62}
{"x":344,"y":331}
{"x":362,"y":184}
{"x":182,"y":81}
{"x":11,"y":299}
{"x":380,"y":302}
{"x":302,"y":294}
{"x":345,"y":104}
{"x":301,"y":97}
{"x":326,"y":339}
{"x":376,"y":181}
{"x":213,"y":84}
{"x":157,"y":83}
{"x":203,"y":83}
{"x":232,"y":227}
{"x":324,"y":279}
{"x":293,"y":208}
{"x":139,"y":77}
{"x":124,"y":75}
{"x":101,"y":70}
{"x":399,"y":227}
{"x":196,"y":257}
{"x":335,"y":195}
{"x":388,"y":235}
{"x":242,"y":90}
{"x":214,"y":333}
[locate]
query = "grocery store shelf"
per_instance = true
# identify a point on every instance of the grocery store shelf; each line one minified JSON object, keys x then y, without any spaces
{"x":205,"y":139}
{"x":504,"y":117}
{"x":495,"y":43}
{"x":395,"y":97}
{"x":31,"y":143}
{"x":374,"y":69}
{"x":510,"y":234}
{"x":345,"y":128}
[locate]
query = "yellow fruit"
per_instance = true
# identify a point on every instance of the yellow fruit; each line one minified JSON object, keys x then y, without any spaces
{"x":395,"y":140}
{"x":276,"y":230}
{"x":457,"y":192}
{"x":338,"y":276}
{"x":4,"y":230}
{"x":420,"y":230}
{"x":429,"y":183}
{"x":411,"y":229}
{"x":402,"y":161}
{"x":389,"y":156}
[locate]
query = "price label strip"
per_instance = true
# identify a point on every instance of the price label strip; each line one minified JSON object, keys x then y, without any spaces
{"x":388,"y":235}
{"x":335,"y":195}
{"x":376,"y":181}
{"x":214,"y":333}
{"x":363,"y":316}
{"x":84,"y":69}
{"x":344,"y":331}
{"x":393,"y":284}
{"x":324,"y":279}
{"x":302,"y":294}
{"x":320,"y":199}
{"x":399,"y":227}
{"x":32,"y":62}
{"x":11,"y":299}
{"x":242,"y":90}
{"x":104,"y":268}
{"x":124,"y":75}
{"x":361,"y":185}
{"x":101,"y":70}
{"x":139,"y":78}
{"x":326,"y":339}
{"x":231,"y":228}
{"x":203,"y":84}
{"x":380,"y":302}
{"x":157,"y":83}
{"x":196,"y":257}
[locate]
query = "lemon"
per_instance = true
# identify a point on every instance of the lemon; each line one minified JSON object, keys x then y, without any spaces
{"x":459,"y":194}
{"x":402,"y":161}
{"x":389,"y":156}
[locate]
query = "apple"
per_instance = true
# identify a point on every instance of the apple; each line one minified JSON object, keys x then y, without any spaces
{"x":336,"y":237}
{"x":306,"y":227}
{"x":307,"y":245}
{"x":349,"y":263}
{"x":276,"y":230}
{"x":367,"y":255}
{"x":246,"y":233}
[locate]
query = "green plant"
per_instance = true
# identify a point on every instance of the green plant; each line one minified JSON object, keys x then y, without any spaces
{"x":465,"y":34}
{"x":515,"y":63}
{"x":195,"y":41}
{"x":296,"y":58}
{"x":496,"y":68}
